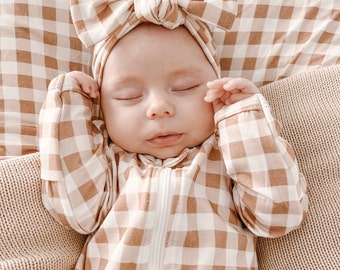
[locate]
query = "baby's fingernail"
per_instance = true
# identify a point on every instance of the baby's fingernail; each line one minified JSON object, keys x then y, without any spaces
{"x":207,"y":99}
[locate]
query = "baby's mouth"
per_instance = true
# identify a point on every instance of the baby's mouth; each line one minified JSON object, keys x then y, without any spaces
{"x":166,"y":139}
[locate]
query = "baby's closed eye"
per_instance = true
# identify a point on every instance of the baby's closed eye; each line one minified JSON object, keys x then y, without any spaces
{"x":127,"y":94}
{"x":186,"y":84}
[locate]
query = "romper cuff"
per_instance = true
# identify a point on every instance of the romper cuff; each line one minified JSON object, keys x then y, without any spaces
{"x":255,"y":102}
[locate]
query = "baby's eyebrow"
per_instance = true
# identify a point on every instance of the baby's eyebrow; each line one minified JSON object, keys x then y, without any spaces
{"x":122,"y":81}
{"x":187,"y":71}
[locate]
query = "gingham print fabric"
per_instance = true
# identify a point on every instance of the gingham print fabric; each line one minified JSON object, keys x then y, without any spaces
{"x":37,"y":42}
{"x":103,"y":22}
{"x":269,"y":40}
{"x":179,"y":213}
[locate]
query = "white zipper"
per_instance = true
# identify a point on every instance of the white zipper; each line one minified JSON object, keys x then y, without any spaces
{"x":162,"y":216}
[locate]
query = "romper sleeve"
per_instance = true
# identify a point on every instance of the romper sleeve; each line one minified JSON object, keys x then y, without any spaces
{"x":77,"y":185}
{"x":269,"y":191}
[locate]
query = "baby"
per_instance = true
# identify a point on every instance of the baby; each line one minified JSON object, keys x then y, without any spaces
{"x":188,"y":169}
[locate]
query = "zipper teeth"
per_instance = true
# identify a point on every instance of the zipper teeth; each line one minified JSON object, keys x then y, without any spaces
{"x":162,"y":216}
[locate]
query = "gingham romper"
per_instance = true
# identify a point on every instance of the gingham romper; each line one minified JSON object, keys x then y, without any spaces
{"x":200,"y":210}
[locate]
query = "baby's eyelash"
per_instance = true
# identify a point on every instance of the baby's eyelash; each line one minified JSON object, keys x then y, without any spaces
{"x":128,"y":98}
{"x":187,"y":88}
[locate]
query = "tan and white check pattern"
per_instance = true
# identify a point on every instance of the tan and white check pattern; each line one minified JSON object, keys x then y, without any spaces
{"x":269,"y":40}
{"x":102,"y":23}
{"x":37,"y":42}
{"x":272,"y":40}
{"x":187,"y":212}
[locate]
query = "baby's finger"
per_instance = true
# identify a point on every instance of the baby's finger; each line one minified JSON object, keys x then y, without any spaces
{"x":218,"y":83}
{"x":241,"y":84}
{"x":91,"y":89}
{"x":213,"y":94}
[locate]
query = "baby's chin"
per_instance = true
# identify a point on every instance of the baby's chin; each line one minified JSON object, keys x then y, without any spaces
{"x":172,"y":151}
{"x":158,"y":153}
{"x":166,"y":153}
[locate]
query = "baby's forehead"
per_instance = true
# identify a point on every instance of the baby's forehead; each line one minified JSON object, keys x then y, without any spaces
{"x":137,"y":43}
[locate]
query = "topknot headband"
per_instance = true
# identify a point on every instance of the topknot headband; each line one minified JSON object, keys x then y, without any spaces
{"x":101,"y":23}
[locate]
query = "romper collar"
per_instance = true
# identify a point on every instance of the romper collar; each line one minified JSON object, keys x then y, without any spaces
{"x":183,"y":159}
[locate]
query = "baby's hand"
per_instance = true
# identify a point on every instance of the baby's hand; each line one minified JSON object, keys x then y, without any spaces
{"x":86,"y":83}
{"x":227,"y":91}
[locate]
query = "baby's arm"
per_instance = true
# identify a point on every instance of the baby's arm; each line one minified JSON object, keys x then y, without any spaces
{"x":269,"y":191}
{"x":77,"y":181}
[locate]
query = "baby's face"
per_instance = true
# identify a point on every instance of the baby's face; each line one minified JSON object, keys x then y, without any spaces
{"x":152,"y":93}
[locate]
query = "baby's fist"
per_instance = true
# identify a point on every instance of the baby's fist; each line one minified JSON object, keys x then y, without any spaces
{"x":226,"y":91}
{"x":86,"y":83}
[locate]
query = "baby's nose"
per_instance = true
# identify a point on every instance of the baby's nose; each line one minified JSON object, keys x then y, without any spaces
{"x":159,"y":106}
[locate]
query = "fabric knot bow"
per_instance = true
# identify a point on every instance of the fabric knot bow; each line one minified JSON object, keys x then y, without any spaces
{"x":101,"y":23}
{"x":166,"y":13}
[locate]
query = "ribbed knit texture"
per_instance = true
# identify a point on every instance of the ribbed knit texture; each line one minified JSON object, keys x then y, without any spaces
{"x":308,"y":106}
{"x":29,"y":237}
